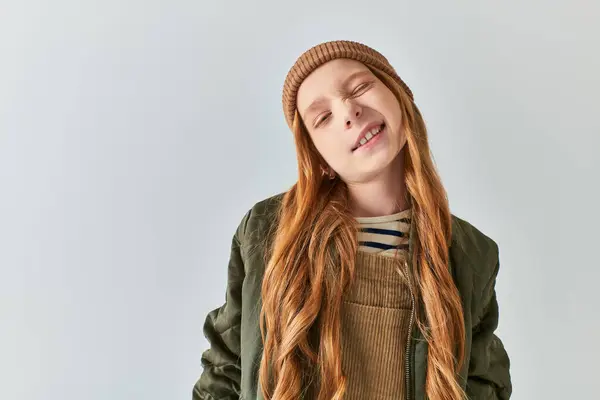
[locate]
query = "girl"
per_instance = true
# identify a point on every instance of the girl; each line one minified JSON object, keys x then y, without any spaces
{"x":357,"y":282}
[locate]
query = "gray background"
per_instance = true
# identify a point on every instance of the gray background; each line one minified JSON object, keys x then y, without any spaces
{"x":134,"y":136}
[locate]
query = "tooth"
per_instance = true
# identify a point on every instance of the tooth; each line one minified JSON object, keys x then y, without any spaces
{"x":368,"y":136}
{"x":363,"y":141}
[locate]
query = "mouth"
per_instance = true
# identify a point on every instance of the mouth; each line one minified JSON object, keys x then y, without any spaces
{"x":370,"y":135}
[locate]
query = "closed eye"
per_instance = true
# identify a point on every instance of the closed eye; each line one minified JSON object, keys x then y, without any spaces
{"x":323,"y":119}
{"x":362,"y":86}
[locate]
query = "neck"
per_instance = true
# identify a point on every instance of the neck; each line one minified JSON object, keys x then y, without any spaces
{"x":383,"y":194}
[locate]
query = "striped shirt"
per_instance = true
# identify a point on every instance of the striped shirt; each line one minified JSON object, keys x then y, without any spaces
{"x":384,"y":234}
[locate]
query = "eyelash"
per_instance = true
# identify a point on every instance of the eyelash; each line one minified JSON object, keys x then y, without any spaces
{"x":319,"y":122}
{"x":364,"y":84}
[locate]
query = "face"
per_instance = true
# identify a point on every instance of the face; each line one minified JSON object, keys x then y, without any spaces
{"x":353,"y":119}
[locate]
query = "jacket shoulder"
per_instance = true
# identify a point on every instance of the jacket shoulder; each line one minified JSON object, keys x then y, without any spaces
{"x":474,"y":252}
{"x":268,"y":207}
{"x":468,"y":237}
{"x":257,"y":223}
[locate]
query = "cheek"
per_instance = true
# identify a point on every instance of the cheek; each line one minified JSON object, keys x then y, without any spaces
{"x":329,"y":146}
{"x":384,"y":102}
{"x":322,"y":143}
{"x":393,"y":113}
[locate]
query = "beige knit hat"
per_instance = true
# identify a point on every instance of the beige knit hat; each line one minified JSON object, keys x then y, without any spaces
{"x":327,"y":51}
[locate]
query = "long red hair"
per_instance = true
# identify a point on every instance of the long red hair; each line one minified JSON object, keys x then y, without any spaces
{"x":311,"y":260}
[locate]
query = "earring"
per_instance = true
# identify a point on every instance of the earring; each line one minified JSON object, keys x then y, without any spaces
{"x":329,"y":172}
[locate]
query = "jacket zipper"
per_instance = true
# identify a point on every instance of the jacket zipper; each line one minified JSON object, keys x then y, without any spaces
{"x":410,"y":324}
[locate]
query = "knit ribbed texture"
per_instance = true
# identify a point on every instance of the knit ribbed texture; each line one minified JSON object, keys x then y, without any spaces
{"x":318,"y":55}
{"x":375,"y":321}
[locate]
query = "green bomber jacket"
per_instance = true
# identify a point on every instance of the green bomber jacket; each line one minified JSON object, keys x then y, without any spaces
{"x":230,"y":364}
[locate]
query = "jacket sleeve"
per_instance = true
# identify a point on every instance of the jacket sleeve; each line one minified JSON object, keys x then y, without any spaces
{"x":489,"y":368}
{"x":221,"y":375}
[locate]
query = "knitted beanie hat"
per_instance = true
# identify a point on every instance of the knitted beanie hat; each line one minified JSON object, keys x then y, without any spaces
{"x":327,"y":51}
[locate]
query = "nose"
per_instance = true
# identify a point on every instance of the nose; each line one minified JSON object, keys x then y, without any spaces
{"x":354,"y":113}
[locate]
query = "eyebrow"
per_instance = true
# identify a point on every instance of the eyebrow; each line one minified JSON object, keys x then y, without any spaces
{"x":319,"y":100}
